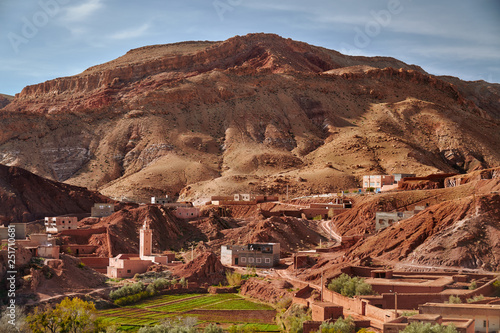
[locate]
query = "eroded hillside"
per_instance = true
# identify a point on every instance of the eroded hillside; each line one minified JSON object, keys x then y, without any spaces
{"x":253,"y":113}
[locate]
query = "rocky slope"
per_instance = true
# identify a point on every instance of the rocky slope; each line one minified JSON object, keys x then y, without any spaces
{"x":460,"y":228}
{"x":26,"y":197}
{"x":5,"y":99}
{"x":252,"y":113}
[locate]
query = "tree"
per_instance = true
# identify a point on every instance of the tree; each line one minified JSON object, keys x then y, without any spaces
{"x":350,"y":287}
{"x":418,"y":327}
{"x":10,"y":324}
{"x":71,"y":316}
{"x":292,"y":319}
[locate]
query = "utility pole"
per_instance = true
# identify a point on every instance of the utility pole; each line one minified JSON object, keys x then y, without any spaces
{"x":322,"y":288}
{"x":396,"y":302}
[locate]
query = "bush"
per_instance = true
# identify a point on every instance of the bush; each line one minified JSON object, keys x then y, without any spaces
{"x":292,"y":319}
{"x":284,"y":303}
{"x":418,"y":327}
{"x":233,"y":279}
{"x":496,"y":286}
{"x":126,"y":290}
{"x":475,"y":299}
{"x":183,"y":282}
{"x":130,"y":299}
{"x":454,"y":300}
{"x":350,"y":287}
{"x":212,"y":328}
{"x":161,"y":284}
{"x":340,"y":326}
{"x":473,"y":285}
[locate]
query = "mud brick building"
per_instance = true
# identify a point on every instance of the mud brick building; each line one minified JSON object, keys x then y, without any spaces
{"x":258,"y":255}
{"x":54,"y":225}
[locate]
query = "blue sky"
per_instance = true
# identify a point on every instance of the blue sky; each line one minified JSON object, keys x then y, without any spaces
{"x":44,"y":39}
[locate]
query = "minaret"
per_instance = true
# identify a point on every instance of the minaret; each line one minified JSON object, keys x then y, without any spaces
{"x":145,"y":240}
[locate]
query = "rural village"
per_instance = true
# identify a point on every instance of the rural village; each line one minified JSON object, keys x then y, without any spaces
{"x":273,"y":271}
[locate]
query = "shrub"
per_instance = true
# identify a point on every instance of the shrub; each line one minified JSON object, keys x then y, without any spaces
{"x":496,"y":286}
{"x":183,"y":282}
{"x":212,"y":328}
{"x":126,"y":290}
{"x":475,"y":299}
{"x":454,"y":300}
{"x":350,"y":287}
{"x":419,"y":327}
{"x":473,"y":285}
{"x":340,"y":326}
{"x":292,"y":319}
{"x":161,"y":284}
{"x":133,"y":298}
{"x":233,"y":279}
{"x":284,"y":303}
{"x":81,"y":265}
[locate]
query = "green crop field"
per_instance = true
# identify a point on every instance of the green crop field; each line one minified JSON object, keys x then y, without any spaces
{"x":228,"y":309}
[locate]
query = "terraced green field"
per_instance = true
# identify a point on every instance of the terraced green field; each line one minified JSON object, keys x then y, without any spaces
{"x":225,"y":309}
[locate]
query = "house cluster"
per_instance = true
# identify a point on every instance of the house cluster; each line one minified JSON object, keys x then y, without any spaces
{"x":399,"y":291}
{"x":181,"y":210}
{"x":39,"y":244}
{"x":241,"y":199}
{"x":386,"y":219}
{"x":314,"y":210}
{"x":381,"y":183}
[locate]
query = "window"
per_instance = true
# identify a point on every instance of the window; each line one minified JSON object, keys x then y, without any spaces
{"x":243,"y":259}
{"x":251,"y":260}
{"x":484,"y":323}
{"x":267,"y":260}
{"x":258,"y":260}
{"x":129,"y":271}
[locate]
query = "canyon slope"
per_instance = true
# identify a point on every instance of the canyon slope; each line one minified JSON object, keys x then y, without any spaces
{"x":254,"y":113}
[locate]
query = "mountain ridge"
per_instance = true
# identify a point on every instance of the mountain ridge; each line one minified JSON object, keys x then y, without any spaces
{"x":252,"y":113}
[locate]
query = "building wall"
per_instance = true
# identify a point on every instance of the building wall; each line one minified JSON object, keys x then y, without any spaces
{"x":102,"y":210}
{"x":187,"y":212}
{"x":243,"y":256}
{"x":60,"y":223}
{"x":377,"y":181}
{"x":487,"y":317}
{"x":324,"y":311}
{"x":124,"y":268}
{"x":226,"y":255}
{"x":46,"y":251}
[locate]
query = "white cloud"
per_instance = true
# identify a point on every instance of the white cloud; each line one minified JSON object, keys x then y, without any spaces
{"x":83,"y":11}
{"x":131,"y":33}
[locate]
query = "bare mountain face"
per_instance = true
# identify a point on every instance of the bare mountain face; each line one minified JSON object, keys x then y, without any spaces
{"x":253,"y":113}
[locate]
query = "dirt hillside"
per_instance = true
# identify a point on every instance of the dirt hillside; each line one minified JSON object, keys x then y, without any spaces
{"x":254,"y":113}
{"x":26,"y":197}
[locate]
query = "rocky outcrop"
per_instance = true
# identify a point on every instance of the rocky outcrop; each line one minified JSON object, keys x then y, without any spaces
{"x":269,"y":291}
{"x":205,"y":268}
